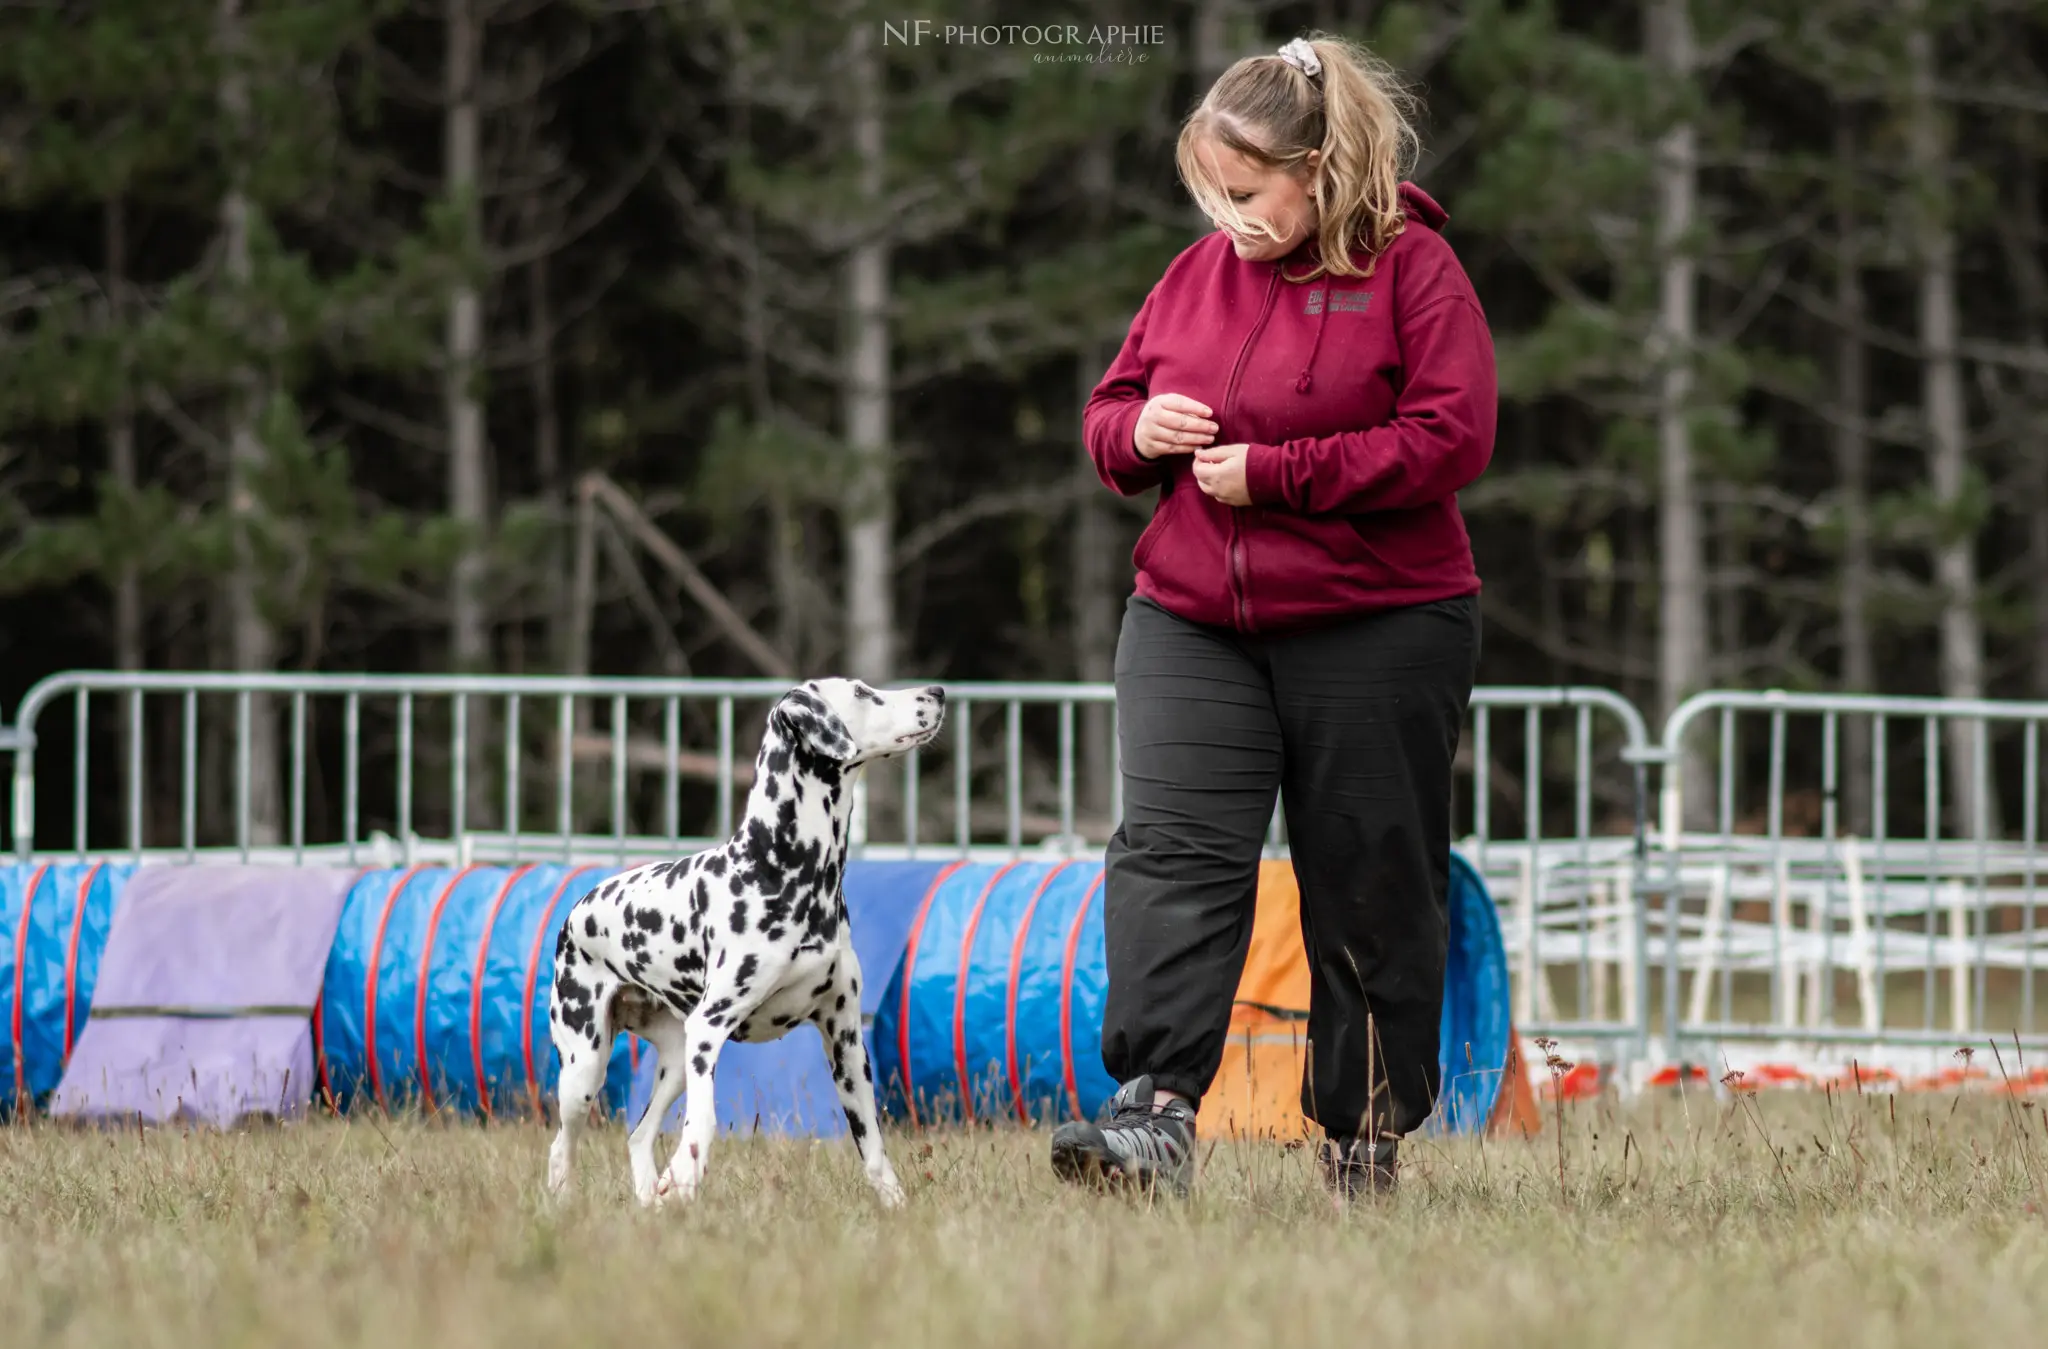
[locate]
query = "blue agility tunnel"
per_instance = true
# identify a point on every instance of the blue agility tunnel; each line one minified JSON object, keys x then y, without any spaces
{"x":54,"y":918}
{"x":1477,"y":1028}
{"x":996,"y":1010}
{"x":785,"y":1086}
{"x":436,"y":991}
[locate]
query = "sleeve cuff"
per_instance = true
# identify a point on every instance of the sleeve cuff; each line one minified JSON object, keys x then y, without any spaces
{"x":1126,"y":430}
{"x":1262,"y":475}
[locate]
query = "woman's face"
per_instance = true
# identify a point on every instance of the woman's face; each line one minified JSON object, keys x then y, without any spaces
{"x":1275,"y":196}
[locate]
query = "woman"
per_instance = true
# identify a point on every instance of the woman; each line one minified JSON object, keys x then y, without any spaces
{"x":1308,"y":388}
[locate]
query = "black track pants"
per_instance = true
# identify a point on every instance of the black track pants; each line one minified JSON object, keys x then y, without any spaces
{"x":1355,"y":726}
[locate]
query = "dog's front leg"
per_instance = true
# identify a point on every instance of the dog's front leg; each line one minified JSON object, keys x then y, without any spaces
{"x":702,"y":1042}
{"x":848,"y":1055}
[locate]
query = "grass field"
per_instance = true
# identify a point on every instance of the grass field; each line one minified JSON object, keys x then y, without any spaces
{"x":1870,"y":1221}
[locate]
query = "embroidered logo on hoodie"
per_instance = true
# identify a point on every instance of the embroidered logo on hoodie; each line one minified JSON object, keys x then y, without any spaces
{"x":1341,"y":301}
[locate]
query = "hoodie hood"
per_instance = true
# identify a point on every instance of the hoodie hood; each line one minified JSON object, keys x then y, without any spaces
{"x":1421,"y":206}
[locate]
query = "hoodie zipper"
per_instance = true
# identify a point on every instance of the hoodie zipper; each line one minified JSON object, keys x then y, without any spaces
{"x":1240,"y":601}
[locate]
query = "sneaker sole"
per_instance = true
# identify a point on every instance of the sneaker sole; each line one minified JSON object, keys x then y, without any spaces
{"x":1077,"y":1163}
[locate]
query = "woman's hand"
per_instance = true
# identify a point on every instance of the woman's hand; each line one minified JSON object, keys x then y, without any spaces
{"x":1172,"y":424}
{"x":1219,"y":471}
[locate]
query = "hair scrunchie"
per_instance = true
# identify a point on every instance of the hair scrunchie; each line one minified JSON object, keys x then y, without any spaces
{"x":1302,"y":57}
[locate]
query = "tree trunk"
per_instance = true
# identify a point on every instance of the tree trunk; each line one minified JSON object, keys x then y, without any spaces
{"x":252,"y":640}
{"x":121,"y":467}
{"x":1941,"y":395}
{"x":1682,"y":658}
{"x":1098,"y":569}
{"x":1213,"y":52}
{"x":128,"y":636}
{"x":582,"y":584}
{"x":870,"y":510}
{"x":788,"y":572}
{"x":2037,"y":553}
{"x":1852,"y":472}
{"x":1101,"y":577}
{"x":2022,"y":233}
{"x":547,"y":456}
{"x":469,"y":636}
{"x":868,"y":521}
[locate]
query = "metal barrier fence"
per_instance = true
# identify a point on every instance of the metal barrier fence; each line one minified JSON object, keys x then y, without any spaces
{"x":1882,"y":888}
{"x":1768,"y":917}
{"x":380,"y":769}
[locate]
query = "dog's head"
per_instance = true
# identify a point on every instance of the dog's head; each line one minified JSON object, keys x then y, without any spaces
{"x":847,"y":722}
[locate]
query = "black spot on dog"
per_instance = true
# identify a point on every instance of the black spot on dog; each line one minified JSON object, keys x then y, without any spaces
{"x":715,"y":864}
{"x":698,"y":1065}
{"x":575,"y":1005}
{"x":647,"y":919}
{"x":739,"y":917}
{"x":855,"y":1127}
{"x":839,"y":1003}
{"x":748,"y":965}
{"x":590,"y":925}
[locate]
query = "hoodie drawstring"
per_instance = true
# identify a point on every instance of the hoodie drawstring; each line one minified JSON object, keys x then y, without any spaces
{"x":1301,"y":384}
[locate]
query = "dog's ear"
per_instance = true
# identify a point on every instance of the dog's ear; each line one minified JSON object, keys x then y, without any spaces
{"x":809,"y":721}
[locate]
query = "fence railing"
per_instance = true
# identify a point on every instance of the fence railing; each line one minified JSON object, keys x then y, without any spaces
{"x":1880,"y":885}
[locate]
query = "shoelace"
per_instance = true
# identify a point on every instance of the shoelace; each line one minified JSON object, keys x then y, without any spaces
{"x":1132,"y":1127}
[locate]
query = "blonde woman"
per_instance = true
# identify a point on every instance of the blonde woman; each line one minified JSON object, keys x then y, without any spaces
{"x":1308,"y":387}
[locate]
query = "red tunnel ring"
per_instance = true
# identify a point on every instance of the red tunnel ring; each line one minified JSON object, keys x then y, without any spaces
{"x":28,"y":899}
{"x":909,"y":965}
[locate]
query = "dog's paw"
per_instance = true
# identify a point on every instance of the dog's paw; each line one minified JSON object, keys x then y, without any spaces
{"x":670,"y":1190}
{"x":890,"y":1192}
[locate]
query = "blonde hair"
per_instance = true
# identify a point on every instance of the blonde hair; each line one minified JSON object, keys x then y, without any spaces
{"x":1355,"y":110}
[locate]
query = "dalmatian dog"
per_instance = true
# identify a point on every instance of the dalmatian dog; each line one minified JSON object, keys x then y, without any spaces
{"x":745,"y":942}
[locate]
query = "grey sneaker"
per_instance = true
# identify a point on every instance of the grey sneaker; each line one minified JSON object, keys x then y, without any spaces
{"x":1143,"y":1144}
{"x":1353,"y":1167}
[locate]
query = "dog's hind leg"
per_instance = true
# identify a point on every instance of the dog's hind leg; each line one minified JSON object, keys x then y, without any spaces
{"x":839,"y":1028}
{"x":665,"y":1030}
{"x":579,"y":1021}
{"x":703,"y":1037}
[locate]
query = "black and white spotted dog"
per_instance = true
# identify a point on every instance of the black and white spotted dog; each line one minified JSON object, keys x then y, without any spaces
{"x":744,"y":942}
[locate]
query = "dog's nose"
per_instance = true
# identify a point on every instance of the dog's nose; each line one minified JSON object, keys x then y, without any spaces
{"x":938,"y":693}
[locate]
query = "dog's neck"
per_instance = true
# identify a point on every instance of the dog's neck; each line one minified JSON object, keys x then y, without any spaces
{"x":792,"y":784}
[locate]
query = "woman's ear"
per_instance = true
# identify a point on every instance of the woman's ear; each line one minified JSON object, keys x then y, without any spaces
{"x":806,"y":719}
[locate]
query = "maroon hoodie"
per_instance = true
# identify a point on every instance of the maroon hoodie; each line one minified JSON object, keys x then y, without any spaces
{"x":1368,"y":403}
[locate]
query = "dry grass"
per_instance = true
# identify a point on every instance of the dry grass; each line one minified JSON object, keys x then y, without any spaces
{"x":1674,"y":1224}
